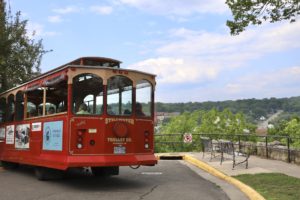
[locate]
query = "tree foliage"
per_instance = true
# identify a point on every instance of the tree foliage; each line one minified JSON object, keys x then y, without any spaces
{"x":255,"y":12}
{"x":213,"y":121}
{"x":224,"y":122}
{"x":184,"y":123}
{"x":20,"y":54}
{"x":289,"y":127}
{"x":252,"y":109}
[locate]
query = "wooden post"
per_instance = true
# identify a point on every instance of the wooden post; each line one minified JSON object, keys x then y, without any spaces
{"x":267,"y":152}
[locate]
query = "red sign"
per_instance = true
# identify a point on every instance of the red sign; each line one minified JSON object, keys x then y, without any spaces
{"x":187,"y":138}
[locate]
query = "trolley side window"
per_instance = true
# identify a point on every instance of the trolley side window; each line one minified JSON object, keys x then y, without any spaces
{"x":10,"y":108}
{"x":34,"y":99}
{"x":2,"y":109}
{"x":56,"y":97}
{"x":143,"y":99}
{"x":19,"y":106}
{"x":119,"y":96}
{"x":87,"y":94}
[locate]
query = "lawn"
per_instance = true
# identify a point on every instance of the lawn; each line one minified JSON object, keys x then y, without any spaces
{"x":273,"y":186}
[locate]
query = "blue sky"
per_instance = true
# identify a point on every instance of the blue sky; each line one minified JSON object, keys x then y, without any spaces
{"x":185,"y":42}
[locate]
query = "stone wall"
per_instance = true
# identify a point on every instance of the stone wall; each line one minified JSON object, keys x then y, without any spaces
{"x":276,"y":151}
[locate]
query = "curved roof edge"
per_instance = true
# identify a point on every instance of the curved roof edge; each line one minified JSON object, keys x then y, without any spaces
{"x":74,"y":63}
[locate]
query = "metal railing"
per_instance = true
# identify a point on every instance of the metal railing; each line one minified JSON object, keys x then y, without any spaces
{"x":269,"y":143}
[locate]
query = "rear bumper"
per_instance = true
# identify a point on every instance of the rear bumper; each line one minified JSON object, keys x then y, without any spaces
{"x":63,"y":162}
{"x":110,"y":160}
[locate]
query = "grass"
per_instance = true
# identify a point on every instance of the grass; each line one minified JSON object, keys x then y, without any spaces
{"x":273,"y":186}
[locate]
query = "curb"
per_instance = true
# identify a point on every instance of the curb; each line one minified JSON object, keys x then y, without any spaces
{"x":247,"y":190}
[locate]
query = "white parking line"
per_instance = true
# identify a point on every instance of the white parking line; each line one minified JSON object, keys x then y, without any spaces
{"x":151,"y":173}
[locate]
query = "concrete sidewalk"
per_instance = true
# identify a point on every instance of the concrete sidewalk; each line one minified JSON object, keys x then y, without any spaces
{"x":223,"y":173}
{"x":255,"y":165}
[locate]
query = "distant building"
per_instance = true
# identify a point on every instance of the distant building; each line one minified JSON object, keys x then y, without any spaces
{"x":246,"y":131}
{"x":161,"y":116}
{"x":270,"y":126}
{"x":261,"y":131}
{"x":262,"y":118}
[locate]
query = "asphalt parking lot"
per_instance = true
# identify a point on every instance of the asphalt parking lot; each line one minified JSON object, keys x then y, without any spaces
{"x":167,"y":180}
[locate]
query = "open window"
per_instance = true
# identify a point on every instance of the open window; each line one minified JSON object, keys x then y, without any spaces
{"x":19,"y":106}
{"x":119,"y":96}
{"x":87,"y":94}
{"x":143,"y":99}
{"x":56,"y":97}
{"x":34,"y":99}
{"x":10,"y":114}
{"x":2,"y":110}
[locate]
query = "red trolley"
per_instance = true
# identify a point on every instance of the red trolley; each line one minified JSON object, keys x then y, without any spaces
{"x":86,"y":113}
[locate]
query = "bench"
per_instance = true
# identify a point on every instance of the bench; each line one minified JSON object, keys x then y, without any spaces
{"x":224,"y":148}
{"x":237,"y":155}
{"x":208,"y":145}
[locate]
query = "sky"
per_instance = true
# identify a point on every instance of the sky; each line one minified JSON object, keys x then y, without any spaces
{"x":184,"y":42}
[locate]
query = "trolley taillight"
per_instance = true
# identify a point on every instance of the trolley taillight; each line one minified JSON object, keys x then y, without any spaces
{"x":80,"y":136}
{"x":146,"y":139}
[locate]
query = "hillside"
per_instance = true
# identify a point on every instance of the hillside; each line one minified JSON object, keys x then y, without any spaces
{"x":253,"y":109}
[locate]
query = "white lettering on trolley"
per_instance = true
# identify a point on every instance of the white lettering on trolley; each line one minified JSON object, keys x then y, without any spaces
{"x":118,"y":140}
{"x":109,"y":120}
{"x":83,"y":122}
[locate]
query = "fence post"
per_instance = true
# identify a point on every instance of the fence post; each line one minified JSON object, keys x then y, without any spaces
{"x":267,"y":151}
{"x":289,"y":150}
{"x":182,"y":143}
{"x":239,"y":143}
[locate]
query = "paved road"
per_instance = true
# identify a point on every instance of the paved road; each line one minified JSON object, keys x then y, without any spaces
{"x":168,"y":180}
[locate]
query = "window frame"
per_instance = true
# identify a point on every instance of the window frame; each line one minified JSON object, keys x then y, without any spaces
{"x":4,"y":110}
{"x":10,"y":117}
{"x":73,"y":102}
{"x":151,"y":99}
{"x":120,"y":102}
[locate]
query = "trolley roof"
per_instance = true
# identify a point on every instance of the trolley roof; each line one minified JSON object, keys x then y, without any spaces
{"x":82,"y":62}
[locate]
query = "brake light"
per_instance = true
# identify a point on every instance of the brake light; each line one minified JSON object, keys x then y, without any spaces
{"x":80,"y":132}
{"x":79,"y":139}
{"x":80,"y":136}
{"x":146,"y":139}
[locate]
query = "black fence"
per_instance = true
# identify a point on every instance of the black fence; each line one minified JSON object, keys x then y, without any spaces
{"x":271,"y":146}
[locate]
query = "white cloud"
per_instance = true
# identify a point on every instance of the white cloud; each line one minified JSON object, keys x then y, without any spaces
{"x":177,"y":70}
{"x":273,"y":83}
{"x":55,"y":19}
{"x":268,"y":84}
{"x":102,"y":10}
{"x":177,"y":7}
{"x":195,"y":56}
{"x":67,"y":10}
{"x":39,"y":31}
{"x":251,"y":43}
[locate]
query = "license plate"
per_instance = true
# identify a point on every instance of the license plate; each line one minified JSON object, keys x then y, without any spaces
{"x":119,"y":150}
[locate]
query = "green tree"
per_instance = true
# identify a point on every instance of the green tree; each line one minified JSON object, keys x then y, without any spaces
{"x":20,"y":55}
{"x":210,"y":122}
{"x":246,"y":12}
{"x":293,"y":130}
{"x":224,"y":122}
{"x":184,"y":123}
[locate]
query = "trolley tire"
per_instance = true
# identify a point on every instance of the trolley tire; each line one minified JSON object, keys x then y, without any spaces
{"x":105,"y":171}
{"x":9,"y":165}
{"x":44,"y":174}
